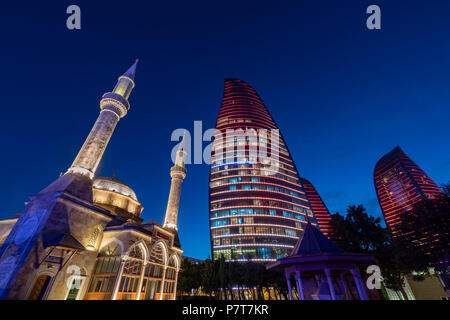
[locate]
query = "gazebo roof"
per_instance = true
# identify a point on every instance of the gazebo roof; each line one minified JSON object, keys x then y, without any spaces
{"x":314,"y":242}
{"x":314,"y":249}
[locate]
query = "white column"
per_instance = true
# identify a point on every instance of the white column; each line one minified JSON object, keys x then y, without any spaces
{"x":330,"y":283}
{"x":162,"y":283}
{"x":359,"y":284}
{"x":141,"y":280}
{"x":289,"y":286}
{"x":175,"y":286}
{"x":298,"y":279}
{"x":119,"y":276}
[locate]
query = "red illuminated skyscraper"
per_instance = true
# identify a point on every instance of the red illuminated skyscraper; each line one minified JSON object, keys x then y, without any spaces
{"x":399,"y":184}
{"x":257,"y":209}
{"x":318,"y":207}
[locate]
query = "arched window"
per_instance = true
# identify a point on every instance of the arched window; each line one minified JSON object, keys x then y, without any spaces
{"x":105,"y":272}
{"x":151,"y":285}
{"x":173,"y":262}
{"x":131,"y":274}
{"x":79,"y":276}
{"x":171,"y":273}
{"x":157,"y":254}
{"x":112,"y":249}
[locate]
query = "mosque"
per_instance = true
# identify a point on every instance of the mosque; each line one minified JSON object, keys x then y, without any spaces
{"x":82,"y":236}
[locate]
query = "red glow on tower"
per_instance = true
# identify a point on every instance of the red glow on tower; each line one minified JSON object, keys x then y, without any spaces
{"x":318,"y":207}
{"x":256,"y":213}
{"x":400,"y":183}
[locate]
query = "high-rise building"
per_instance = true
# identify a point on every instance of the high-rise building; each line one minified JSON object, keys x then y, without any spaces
{"x":318,"y":207}
{"x":258,"y":207}
{"x":400,"y":183}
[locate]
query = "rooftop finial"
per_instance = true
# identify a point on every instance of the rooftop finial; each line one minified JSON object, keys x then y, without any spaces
{"x":131,"y":72}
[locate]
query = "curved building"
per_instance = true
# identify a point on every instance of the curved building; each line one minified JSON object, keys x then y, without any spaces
{"x":258,"y":207}
{"x":318,"y":207}
{"x":399,"y":183}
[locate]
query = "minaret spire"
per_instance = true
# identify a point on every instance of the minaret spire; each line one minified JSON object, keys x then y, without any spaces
{"x":131,"y":72}
{"x":181,"y":153}
{"x":113,"y":106}
{"x":177,"y":173}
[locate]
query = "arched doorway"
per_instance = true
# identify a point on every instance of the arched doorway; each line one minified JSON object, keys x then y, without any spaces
{"x":39,"y":288}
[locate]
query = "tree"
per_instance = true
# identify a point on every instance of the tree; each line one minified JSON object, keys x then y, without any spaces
{"x":209,"y":277}
{"x":222,"y":276}
{"x":446,"y":188}
{"x":359,"y":232}
{"x":425,"y":231}
{"x":189,"y":277}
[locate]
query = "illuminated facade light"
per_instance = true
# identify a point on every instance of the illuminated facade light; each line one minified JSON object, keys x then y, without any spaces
{"x":400,"y":183}
{"x":318,"y":207}
{"x":257,"y":212}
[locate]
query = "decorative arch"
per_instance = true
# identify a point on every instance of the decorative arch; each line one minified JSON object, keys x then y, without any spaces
{"x":174,"y":261}
{"x":41,"y":273}
{"x":159,"y":253}
{"x":143,"y":247}
{"x":112,"y":247}
{"x":40,"y":287}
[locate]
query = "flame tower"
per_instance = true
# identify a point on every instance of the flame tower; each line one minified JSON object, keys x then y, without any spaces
{"x":319,"y":208}
{"x":399,"y":183}
{"x":256,"y":212}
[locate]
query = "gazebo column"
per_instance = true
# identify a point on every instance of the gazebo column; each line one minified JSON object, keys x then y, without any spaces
{"x":318,"y":280}
{"x":344,"y":284}
{"x":359,"y":284}
{"x":330,"y":283}
{"x":298,"y":280}
{"x":289,"y":286}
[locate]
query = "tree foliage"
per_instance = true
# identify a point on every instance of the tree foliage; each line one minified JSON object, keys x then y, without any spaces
{"x":424,"y":241}
{"x":229,"y":280}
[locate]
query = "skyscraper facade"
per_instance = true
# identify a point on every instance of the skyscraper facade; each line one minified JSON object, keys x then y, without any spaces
{"x":258,"y":207}
{"x":318,"y":207}
{"x":400,"y":183}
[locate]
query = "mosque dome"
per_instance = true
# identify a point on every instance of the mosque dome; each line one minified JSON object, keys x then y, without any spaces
{"x":114,"y":185}
{"x":117,"y":197}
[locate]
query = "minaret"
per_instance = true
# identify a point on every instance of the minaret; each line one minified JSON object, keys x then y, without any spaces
{"x":113,"y":106}
{"x":178,"y":173}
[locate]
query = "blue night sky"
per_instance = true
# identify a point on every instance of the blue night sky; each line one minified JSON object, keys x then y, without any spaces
{"x":342,"y":95}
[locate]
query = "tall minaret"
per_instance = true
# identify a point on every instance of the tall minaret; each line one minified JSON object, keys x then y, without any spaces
{"x":178,"y":173}
{"x":113,"y":106}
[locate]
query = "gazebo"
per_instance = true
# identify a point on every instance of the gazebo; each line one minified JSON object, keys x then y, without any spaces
{"x":322,"y":271}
